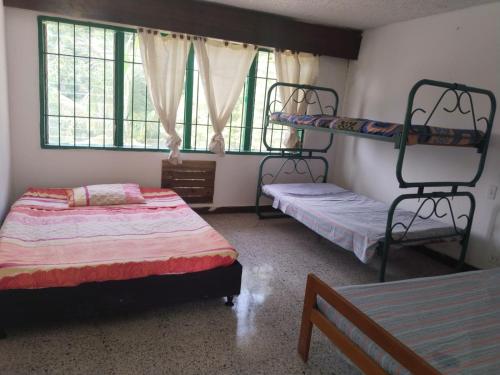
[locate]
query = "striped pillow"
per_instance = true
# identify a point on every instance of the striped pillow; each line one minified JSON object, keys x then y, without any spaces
{"x":105,"y":195}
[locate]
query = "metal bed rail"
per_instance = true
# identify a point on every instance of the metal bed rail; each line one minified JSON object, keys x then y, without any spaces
{"x":435,"y":200}
{"x":308,"y":95}
{"x":290,"y":164}
{"x":457,"y":92}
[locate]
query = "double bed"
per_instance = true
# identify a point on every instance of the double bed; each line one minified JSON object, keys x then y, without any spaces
{"x":48,"y":248}
{"x":437,"y":325}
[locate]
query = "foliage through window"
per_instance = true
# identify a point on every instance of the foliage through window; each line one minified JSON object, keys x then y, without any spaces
{"x":79,"y":76}
{"x":94,"y":94}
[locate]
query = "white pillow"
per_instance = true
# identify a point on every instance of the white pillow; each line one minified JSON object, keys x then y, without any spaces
{"x":302,"y":189}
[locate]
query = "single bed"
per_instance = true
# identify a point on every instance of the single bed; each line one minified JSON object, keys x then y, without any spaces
{"x":418,"y":134}
{"x":438,"y":325}
{"x":352,"y":221}
{"x":47,"y":246}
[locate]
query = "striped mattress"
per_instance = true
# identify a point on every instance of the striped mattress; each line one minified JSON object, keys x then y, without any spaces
{"x":419,"y":134}
{"x":44,"y":243}
{"x":453,"y":322}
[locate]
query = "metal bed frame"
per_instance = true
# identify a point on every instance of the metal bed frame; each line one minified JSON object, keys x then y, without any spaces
{"x":297,"y":160}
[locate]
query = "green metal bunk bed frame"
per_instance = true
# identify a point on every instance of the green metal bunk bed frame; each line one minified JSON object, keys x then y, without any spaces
{"x":297,"y":160}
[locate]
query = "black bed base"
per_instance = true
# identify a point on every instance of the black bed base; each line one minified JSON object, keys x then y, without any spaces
{"x":114,"y":297}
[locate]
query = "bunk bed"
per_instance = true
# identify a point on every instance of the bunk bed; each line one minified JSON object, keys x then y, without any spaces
{"x":340,"y":215}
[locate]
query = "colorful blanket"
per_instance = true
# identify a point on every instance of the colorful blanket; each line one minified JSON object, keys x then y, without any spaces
{"x":453,"y":322}
{"x":419,"y":134}
{"x":44,"y":243}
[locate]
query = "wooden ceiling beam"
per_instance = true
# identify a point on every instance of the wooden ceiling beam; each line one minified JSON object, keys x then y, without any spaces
{"x":209,"y":20}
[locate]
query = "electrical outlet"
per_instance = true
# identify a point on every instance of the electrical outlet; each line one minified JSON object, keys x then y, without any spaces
{"x":492,"y":192}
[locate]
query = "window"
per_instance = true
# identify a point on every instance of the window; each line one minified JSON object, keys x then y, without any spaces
{"x":94,"y":95}
{"x":78,"y":75}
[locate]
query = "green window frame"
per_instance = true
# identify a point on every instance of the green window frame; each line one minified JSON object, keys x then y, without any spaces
{"x":108,"y":122}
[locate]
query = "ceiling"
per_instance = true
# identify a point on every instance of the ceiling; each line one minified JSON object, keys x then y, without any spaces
{"x":356,"y":14}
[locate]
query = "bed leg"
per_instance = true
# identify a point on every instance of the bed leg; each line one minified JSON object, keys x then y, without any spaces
{"x":461,"y":261}
{"x":306,"y":326}
{"x":305,"y":337}
{"x":464,"y":243}
{"x":383,"y":265}
{"x":229,"y":301}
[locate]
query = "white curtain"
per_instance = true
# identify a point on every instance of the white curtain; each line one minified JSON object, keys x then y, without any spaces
{"x":164,"y":60}
{"x":301,"y":68}
{"x":223,"y":68}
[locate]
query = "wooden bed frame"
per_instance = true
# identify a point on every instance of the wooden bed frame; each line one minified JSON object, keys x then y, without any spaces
{"x":311,"y":316}
{"x":21,"y":305}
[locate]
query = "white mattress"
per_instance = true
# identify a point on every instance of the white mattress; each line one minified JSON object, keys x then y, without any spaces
{"x":350,"y":220}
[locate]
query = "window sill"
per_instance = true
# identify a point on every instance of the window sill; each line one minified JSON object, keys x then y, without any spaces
{"x":114,"y":148}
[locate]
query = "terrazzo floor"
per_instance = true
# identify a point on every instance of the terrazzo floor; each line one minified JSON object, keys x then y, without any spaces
{"x":256,"y":336}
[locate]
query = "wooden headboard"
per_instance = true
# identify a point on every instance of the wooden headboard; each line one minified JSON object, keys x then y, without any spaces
{"x":193,"y":180}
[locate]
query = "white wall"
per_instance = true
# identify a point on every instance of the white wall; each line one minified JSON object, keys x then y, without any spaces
{"x":461,"y":46}
{"x":236,"y":174}
{"x":5,"y":175}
